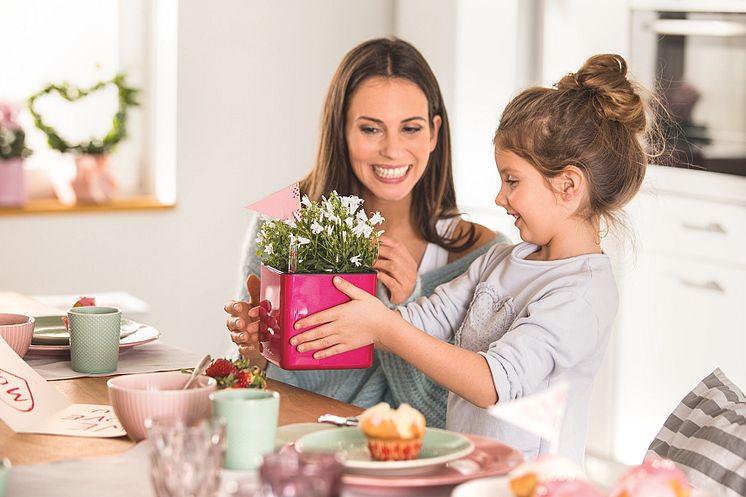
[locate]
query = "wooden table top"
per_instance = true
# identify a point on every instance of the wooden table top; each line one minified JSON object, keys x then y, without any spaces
{"x":296,"y":406}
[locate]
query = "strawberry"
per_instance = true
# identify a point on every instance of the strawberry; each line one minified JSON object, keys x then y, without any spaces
{"x":85,"y":302}
{"x":220,"y":368}
{"x":243,"y":380}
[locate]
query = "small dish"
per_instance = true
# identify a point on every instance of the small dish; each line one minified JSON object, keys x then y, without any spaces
{"x":144,"y":334}
{"x":51,"y":330}
{"x":485,"y":487}
{"x":438,"y":448}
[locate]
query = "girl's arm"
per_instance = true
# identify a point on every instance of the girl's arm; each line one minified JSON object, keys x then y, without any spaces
{"x":365,"y":320}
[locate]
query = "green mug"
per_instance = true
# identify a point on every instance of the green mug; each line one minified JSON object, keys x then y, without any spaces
{"x":251,"y":423}
{"x":4,"y":475}
{"x":94,"y":338}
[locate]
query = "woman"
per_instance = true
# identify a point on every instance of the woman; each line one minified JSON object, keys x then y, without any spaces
{"x":385,"y":138}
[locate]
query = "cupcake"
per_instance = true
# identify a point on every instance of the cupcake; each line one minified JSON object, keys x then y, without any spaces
{"x":653,"y":478}
{"x":393,"y":434}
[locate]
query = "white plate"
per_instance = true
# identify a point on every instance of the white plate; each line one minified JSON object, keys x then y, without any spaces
{"x":438,"y":448}
{"x":144,"y":334}
{"x":486,"y":487}
{"x":51,"y":330}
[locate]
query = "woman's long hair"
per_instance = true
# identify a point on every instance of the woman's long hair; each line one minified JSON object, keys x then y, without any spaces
{"x":434,"y":196}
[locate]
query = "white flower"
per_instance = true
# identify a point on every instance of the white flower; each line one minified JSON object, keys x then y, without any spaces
{"x":290,"y":223}
{"x":349,"y":222}
{"x":316,"y":228}
{"x":377,"y":218}
{"x":268,"y":249}
{"x":361,"y":215}
{"x":306,"y":201}
{"x":293,"y":240}
{"x":329,"y":229}
{"x":351,"y":203}
{"x":362,"y":229}
{"x":303,"y":241}
{"x":355,"y":260}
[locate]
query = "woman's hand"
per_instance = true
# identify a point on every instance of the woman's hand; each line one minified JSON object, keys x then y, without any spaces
{"x":397,"y":269}
{"x":243,"y":322}
{"x":348,"y":326}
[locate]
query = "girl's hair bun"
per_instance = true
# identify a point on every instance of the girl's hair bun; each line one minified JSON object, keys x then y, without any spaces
{"x":604,"y":77}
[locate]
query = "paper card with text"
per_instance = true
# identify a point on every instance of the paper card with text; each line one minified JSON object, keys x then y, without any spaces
{"x":29,"y":404}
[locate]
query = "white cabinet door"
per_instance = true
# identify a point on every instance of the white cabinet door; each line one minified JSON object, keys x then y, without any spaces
{"x":679,"y":319}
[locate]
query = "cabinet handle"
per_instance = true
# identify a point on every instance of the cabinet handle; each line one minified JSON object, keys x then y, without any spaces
{"x":711,"y":285}
{"x":711,"y":227}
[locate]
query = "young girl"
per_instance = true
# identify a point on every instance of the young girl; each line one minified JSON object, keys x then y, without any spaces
{"x":523,"y":316}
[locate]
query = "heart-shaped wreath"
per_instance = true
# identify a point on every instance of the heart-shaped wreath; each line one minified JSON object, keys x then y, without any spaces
{"x":127,"y":97}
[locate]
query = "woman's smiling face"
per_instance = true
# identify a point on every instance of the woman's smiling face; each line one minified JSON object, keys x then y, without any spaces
{"x":389,"y":138}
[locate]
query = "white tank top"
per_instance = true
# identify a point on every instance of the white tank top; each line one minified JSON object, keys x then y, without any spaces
{"x":436,"y":256}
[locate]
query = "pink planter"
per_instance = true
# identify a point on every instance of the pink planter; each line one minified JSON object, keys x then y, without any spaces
{"x":288,"y":297}
{"x":12,"y":190}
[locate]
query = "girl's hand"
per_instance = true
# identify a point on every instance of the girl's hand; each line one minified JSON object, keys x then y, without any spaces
{"x":344,"y":327}
{"x":243,"y":321}
{"x":397,"y":269}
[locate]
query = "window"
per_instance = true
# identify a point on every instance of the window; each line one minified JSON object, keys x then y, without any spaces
{"x":83,"y":42}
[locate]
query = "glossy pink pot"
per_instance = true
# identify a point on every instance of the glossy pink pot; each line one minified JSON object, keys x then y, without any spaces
{"x":288,"y":297}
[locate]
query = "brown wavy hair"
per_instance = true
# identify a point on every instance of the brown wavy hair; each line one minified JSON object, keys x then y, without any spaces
{"x":434,"y":196}
{"x":594,"y":119}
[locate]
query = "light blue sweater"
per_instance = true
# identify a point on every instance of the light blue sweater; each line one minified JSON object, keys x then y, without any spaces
{"x":390,"y":378}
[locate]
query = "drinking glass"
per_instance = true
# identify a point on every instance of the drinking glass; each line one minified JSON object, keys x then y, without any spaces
{"x":186,"y":461}
{"x":289,"y":474}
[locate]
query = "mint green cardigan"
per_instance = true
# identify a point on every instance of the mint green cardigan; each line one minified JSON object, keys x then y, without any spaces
{"x":390,"y":378}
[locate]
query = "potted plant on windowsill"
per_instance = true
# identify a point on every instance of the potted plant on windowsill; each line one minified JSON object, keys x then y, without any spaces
{"x":93,"y":182}
{"x":13,"y":150}
{"x":299,"y":259}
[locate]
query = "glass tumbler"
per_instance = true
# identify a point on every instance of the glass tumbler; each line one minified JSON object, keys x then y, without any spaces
{"x":186,"y":461}
{"x":290,"y":474}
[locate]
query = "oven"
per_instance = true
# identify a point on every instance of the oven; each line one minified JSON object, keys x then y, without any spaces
{"x":693,"y":55}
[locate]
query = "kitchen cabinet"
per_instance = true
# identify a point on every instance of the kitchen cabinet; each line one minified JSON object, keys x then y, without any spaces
{"x":682,"y":282}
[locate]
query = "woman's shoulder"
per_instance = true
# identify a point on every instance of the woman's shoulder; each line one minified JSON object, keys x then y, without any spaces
{"x":483,"y":236}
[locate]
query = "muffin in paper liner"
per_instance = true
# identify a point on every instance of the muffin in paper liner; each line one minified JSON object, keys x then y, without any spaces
{"x":394,"y":450}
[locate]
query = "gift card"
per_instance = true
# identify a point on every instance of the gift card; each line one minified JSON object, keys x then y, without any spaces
{"x":30,"y":404}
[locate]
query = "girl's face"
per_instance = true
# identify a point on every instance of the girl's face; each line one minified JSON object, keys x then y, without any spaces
{"x":529,"y":197}
{"x":389,"y":139}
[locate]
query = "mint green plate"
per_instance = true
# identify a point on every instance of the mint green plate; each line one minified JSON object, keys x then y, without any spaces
{"x":50,"y":330}
{"x":438,"y":448}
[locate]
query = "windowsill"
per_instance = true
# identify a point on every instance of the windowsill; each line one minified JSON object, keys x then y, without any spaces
{"x":53,"y":206}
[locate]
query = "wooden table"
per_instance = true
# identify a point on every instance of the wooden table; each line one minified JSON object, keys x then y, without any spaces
{"x":296,"y":406}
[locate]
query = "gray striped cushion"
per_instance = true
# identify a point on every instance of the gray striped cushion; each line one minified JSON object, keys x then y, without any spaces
{"x":706,"y":437}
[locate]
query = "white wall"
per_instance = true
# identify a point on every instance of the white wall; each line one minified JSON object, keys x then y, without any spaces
{"x":251,"y":79}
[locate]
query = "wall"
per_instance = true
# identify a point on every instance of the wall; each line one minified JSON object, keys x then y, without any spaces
{"x":251,"y":79}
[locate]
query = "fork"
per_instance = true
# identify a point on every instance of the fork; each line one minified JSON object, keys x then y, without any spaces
{"x":338,"y":420}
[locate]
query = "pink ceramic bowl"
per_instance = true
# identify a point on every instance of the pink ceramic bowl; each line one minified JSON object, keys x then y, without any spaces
{"x":137,"y":397}
{"x":18,"y":331}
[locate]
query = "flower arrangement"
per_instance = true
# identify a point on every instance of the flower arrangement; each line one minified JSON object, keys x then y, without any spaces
{"x":12,"y":136}
{"x":333,"y":235}
{"x":127,"y":97}
{"x":237,"y":373}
